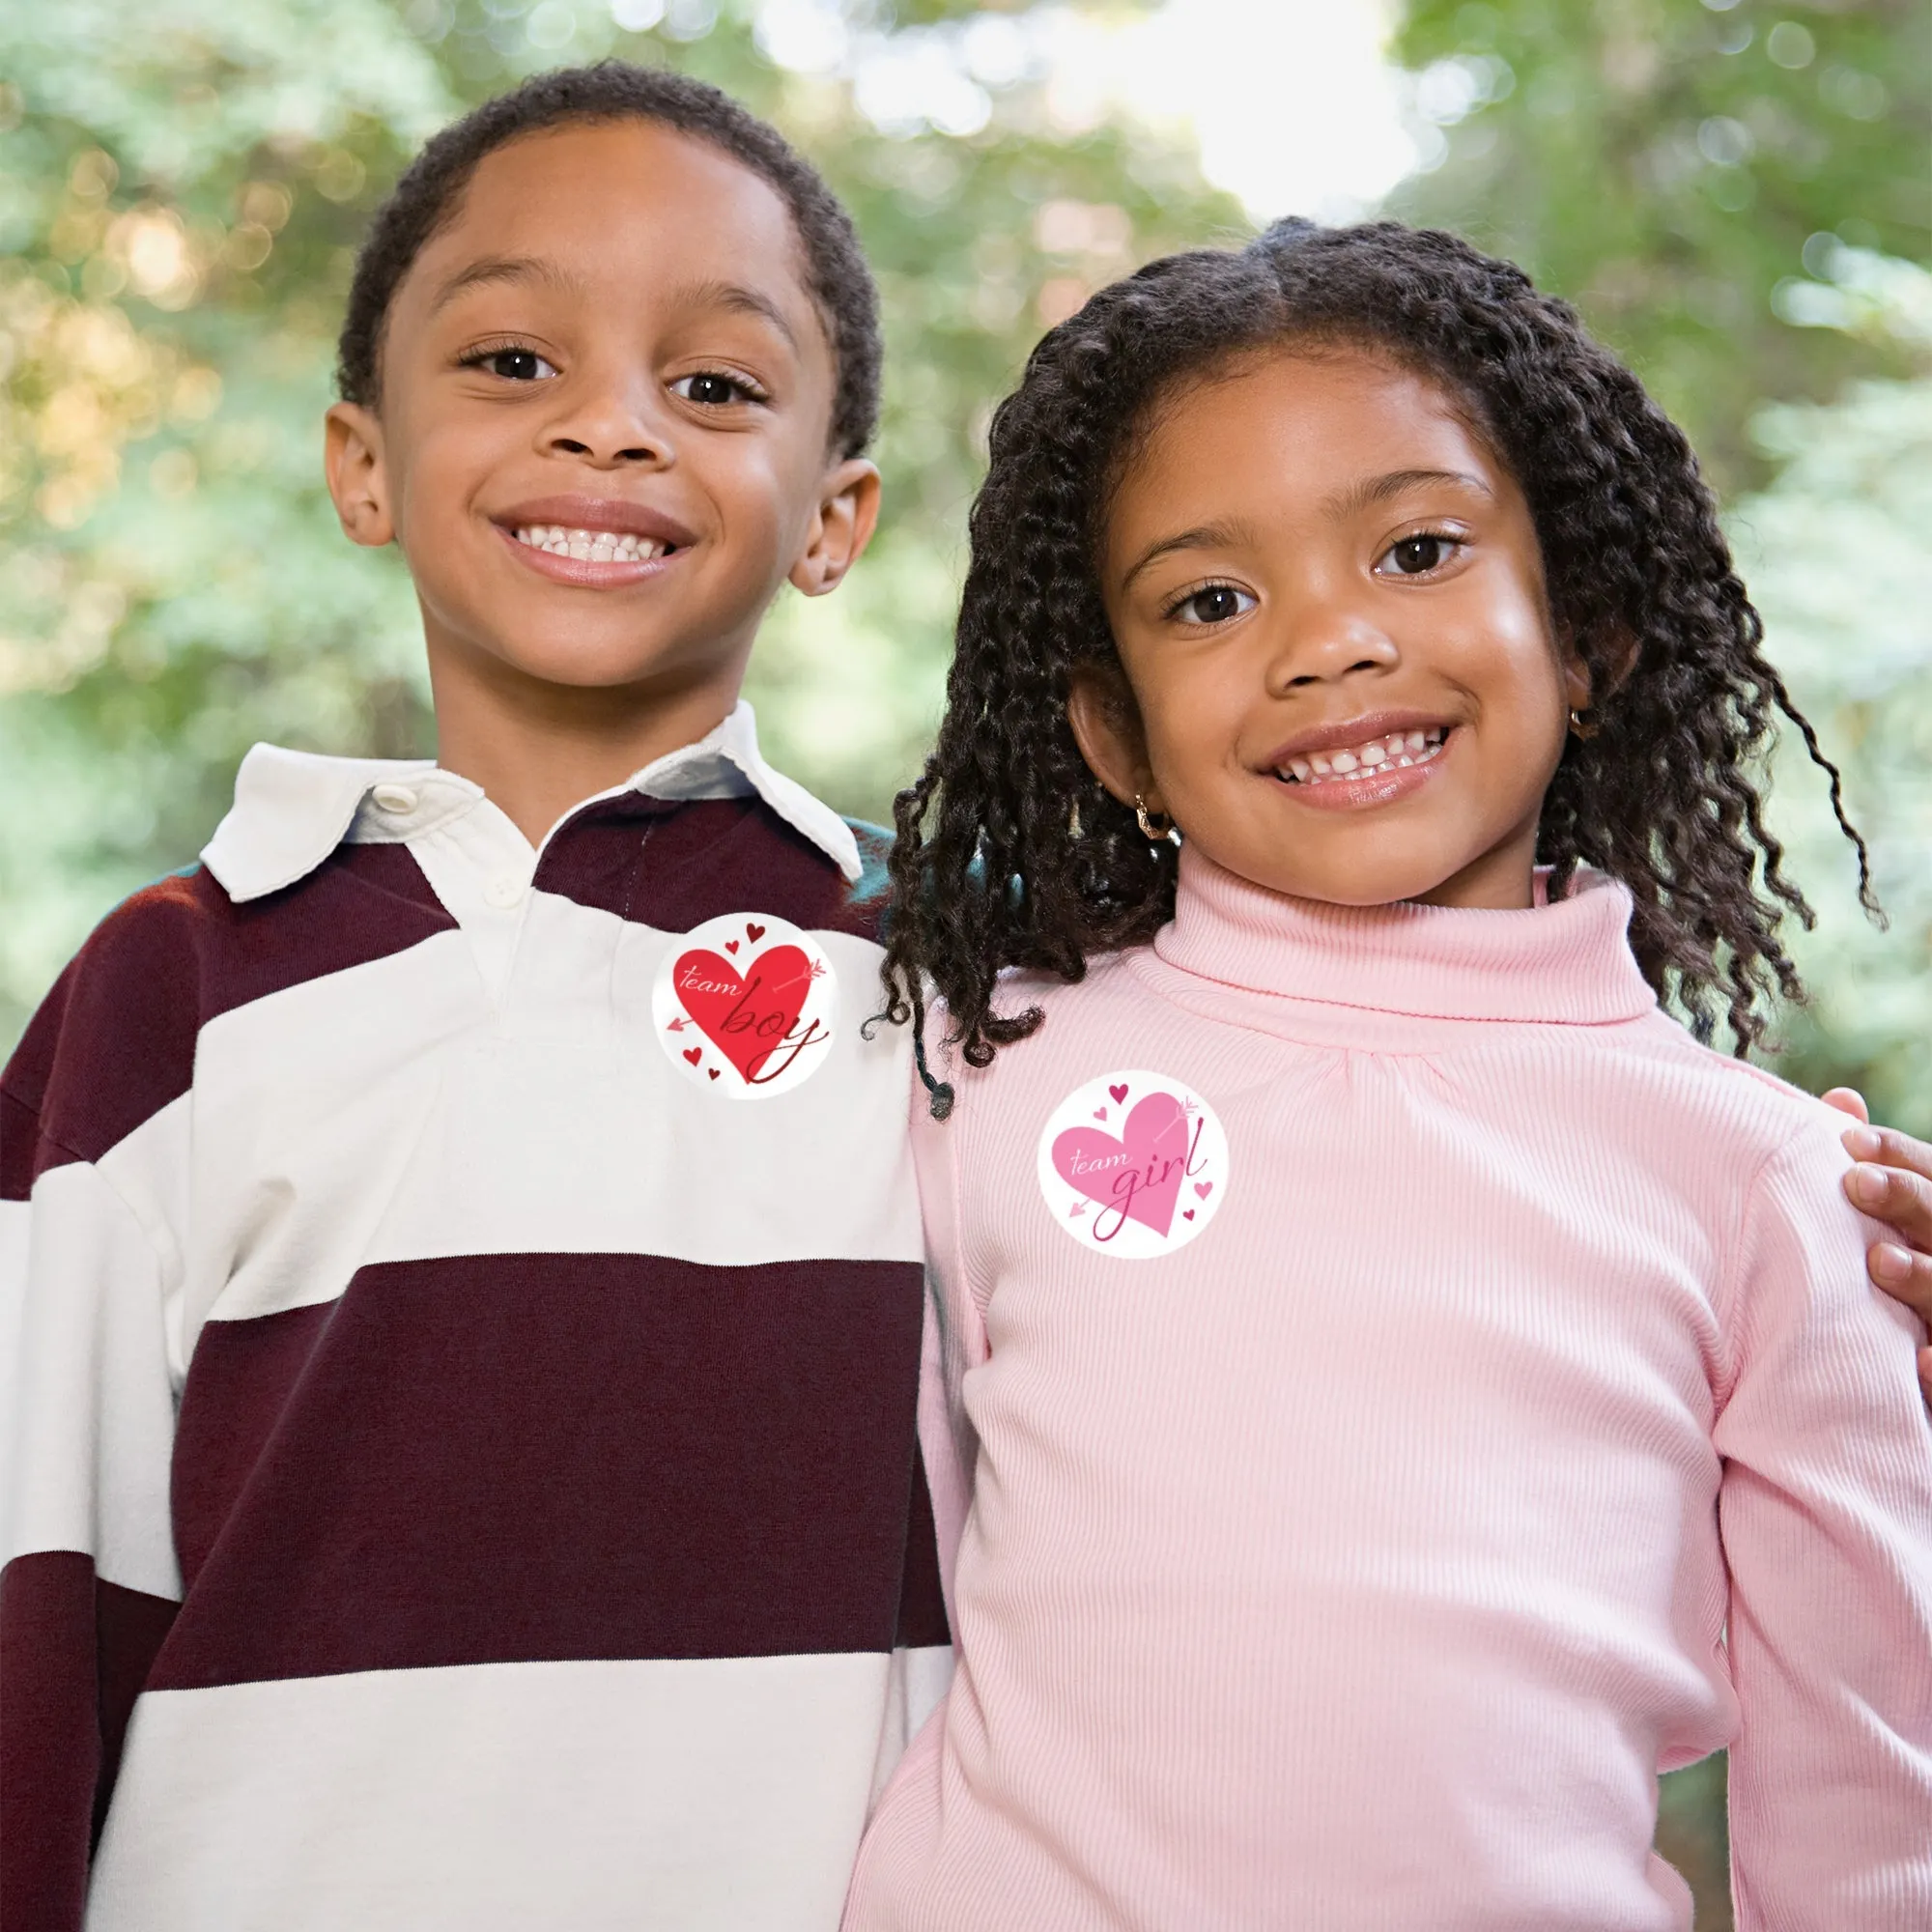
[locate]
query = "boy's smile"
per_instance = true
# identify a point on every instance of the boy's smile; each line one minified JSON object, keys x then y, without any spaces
{"x":1328,"y":597}
{"x":602,"y":442}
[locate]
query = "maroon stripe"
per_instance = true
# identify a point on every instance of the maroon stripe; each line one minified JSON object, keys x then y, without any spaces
{"x":114,"y":1042}
{"x":922,"y":1600}
{"x":74,"y":1656}
{"x":673,"y":866}
{"x":19,"y":1140}
{"x":548,"y":1456}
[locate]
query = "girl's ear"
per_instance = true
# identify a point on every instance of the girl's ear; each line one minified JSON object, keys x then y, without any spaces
{"x":842,"y":525}
{"x":358,"y":478}
{"x":1106,"y":725}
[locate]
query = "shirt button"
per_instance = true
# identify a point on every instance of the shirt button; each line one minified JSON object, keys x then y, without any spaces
{"x":398,"y":799}
{"x":504,"y":891}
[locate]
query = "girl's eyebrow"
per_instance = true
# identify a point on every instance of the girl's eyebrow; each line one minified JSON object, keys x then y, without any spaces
{"x":1233,"y":535}
{"x":1373,"y":490}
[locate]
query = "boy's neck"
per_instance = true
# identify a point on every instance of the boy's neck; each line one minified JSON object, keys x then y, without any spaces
{"x":538,"y":749}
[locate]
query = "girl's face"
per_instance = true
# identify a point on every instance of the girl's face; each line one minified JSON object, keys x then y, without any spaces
{"x":1328,"y":599}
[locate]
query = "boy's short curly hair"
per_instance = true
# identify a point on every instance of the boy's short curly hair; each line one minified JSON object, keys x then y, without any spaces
{"x":428,"y":195}
{"x":1012,"y":854}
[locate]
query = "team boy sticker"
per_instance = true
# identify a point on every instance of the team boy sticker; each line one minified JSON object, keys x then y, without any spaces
{"x":1133,"y":1164}
{"x":746,"y":1005}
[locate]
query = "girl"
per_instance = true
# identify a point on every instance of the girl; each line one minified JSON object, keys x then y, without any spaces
{"x":1343,"y":1555}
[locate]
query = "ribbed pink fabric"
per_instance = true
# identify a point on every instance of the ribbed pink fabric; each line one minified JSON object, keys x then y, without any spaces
{"x":1359,"y":1563}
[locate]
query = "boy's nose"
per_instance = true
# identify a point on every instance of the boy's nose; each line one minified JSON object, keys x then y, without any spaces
{"x":613,"y":432}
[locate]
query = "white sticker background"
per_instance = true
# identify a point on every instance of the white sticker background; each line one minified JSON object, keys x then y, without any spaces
{"x":746,"y":1006}
{"x":1133,"y":1164}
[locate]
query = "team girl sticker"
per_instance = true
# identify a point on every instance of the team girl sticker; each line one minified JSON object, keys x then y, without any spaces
{"x":747,"y":1005}
{"x":1133,"y":1164}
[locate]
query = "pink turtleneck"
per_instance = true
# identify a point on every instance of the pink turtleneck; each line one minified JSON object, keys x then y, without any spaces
{"x":1518,"y":1423}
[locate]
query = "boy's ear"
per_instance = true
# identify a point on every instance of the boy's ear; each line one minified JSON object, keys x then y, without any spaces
{"x":1106,"y":725}
{"x":359,"y":479}
{"x":842,"y":525}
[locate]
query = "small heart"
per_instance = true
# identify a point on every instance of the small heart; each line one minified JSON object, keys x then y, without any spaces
{"x":1187,"y":1213}
{"x":731,"y":946}
{"x":712,"y":1072}
{"x":753,"y":933}
{"x":1203,"y":1188}
{"x":693,"y":1054}
{"x":1120,"y":1093}
{"x":1100,"y":1113}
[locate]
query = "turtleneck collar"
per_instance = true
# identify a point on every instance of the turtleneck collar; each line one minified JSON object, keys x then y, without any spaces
{"x":1568,"y":963}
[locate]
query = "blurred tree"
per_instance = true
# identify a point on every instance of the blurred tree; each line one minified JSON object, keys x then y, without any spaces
{"x":181,"y":192}
{"x":1707,"y":184}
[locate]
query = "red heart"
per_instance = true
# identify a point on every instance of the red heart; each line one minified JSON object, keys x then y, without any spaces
{"x":731,"y":946}
{"x":1120,"y":1093}
{"x":746,"y":1017}
{"x":693,"y":1054}
{"x":712,"y":1072}
{"x":753,"y":931}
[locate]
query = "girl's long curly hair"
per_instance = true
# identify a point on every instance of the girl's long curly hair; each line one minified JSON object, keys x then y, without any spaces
{"x":1010,"y":852}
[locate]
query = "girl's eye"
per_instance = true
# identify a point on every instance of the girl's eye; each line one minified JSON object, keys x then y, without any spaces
{"x":513,"y":365}
{"x":1213,"y":605}
{"x":713,"y":390}
{"x":1419,"y":555}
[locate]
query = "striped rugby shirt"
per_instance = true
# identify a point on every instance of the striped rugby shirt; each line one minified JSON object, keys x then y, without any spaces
{"x":459,"y":1464}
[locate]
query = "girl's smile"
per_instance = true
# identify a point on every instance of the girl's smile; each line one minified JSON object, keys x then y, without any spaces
{"x":1372,"y":760}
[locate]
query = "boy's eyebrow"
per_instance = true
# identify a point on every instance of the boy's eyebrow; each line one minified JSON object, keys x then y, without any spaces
{"x":736,"y":297}
{"x":507,"y":269}
{"x":1373,"y":490}
{"x":1203,"y":536}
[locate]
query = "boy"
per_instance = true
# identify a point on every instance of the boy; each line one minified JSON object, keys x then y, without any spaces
{"x":465,"y":1263}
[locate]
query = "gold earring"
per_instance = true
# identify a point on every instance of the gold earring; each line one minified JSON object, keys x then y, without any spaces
{"x":1580,"y":728}
{"x":1155,"y":835}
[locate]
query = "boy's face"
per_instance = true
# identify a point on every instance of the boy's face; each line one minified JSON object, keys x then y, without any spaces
{"x":602,"y":438}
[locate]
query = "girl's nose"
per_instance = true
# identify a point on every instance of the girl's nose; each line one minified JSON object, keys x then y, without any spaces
{"x":1324,"y":644}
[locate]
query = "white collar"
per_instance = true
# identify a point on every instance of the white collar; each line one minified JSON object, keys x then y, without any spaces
{"x":292,"y":808}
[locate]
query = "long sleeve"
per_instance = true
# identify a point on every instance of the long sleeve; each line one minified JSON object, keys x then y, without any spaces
{"x":93,"y":1156}
{"x":1826,"y":1513}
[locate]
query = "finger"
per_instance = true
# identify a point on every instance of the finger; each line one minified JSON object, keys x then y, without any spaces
{"x":1848,"y":1100}
{"x":1903,"y":1275}
{"x":1887,"y":1147}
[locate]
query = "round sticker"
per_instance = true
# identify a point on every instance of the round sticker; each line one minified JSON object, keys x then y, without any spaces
{"x":746,"y":1005}
{"x":1133,"y":1164}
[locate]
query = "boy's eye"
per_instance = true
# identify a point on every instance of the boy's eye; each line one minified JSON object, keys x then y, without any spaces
{"x":1417,"y":556}
{"x":514,"y":365}
{"x":1213,"y":605}
{"x":714,"y":389}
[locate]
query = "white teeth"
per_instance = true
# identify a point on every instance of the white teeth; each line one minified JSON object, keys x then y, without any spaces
{"x":590,"y":546}
{"x":1397,"y":751}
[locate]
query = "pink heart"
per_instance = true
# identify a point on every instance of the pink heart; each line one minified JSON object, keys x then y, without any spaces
{"x":1120,"y":1093}
{"x":1187,"y":1213}
{"x":1137,"y":1177}
{"x":1203,"y":1188}
{"x":1100,"y":1113}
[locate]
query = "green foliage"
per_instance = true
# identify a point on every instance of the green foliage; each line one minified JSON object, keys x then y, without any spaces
{"x":1832,"y":550}
{"x":1680,"y":172}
